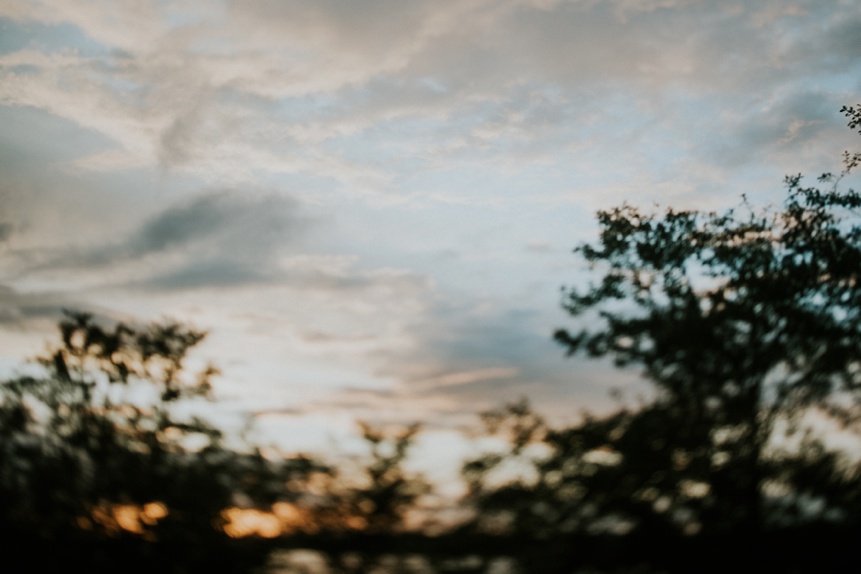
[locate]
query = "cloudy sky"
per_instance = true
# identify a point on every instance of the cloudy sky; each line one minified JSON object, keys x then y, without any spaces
{"x":371,"y":205}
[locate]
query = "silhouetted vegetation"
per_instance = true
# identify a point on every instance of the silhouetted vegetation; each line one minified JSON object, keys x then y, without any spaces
{"x":98,"y":466}
{"x":747,"y":323}
{"x":104,"y":465}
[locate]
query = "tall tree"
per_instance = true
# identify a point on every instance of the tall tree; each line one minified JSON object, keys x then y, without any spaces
{"x":747,"y":322}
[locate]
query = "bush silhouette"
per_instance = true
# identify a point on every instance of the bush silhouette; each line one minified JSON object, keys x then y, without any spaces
{"x":99,"y":468}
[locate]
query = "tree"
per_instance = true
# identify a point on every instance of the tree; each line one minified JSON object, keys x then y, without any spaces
{"x":359,"y":509}
{"x":97,"y":463}
{"x":369,"y":495}
{"x":748,"y":324}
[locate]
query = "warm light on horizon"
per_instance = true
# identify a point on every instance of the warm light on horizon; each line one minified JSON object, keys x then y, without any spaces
{"x":130,"y":518}
{"x":283,"y":518}
{"x":242,"y":522}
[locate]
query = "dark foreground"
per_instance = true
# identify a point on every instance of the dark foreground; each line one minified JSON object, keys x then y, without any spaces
{"x":796,"y":551}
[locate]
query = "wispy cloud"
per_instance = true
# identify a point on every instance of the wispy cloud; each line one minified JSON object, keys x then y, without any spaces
{"x":370,"y":204}
{"x":220,"y":89}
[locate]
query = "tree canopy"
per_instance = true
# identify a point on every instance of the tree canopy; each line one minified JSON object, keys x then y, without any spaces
{"x":748,"y":324}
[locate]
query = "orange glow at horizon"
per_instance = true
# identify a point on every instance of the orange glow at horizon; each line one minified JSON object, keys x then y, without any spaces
{"x":128,"y":517}
{"x":284,"y":518}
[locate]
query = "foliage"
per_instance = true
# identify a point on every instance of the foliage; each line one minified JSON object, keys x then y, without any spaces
{"x":390,"y":491}
{"x":97,"y":449}
{"x":373,"y":495}
{"x":748,"y":323}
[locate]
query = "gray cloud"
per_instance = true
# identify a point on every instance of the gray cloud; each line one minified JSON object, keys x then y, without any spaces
{"x":776,"y":125}
{"x":234,"y":223}
{"x":203,"y":218}
{"x":18,"y":309}
{"x":220,"y":239}
{"x":5,"y":231}
{"x":180,"y":142}
{"x":216,"y":238}
{"x":41,"y":311}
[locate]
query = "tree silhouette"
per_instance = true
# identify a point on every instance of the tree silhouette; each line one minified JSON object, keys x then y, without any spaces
{"x":99,"y":467}
{"x":369,"y":494}
{"x":358,"y":509}
{"x":388,"y":491}
{"x":748,"y":324}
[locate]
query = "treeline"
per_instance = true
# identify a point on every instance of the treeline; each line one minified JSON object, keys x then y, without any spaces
{"x":747,"y":322}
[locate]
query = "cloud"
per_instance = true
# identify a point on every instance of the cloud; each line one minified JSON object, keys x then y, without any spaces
{"x":18,"y":309}
{"x":233,"y":90}
{"x":28,"y":320}
{"x":216,"y":238}
{"x":408,"y":130}
{"x":462,"y":358}
{"x":233,"y":224}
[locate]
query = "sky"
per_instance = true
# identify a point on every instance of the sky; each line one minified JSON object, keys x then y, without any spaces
{"x":371,"y":205}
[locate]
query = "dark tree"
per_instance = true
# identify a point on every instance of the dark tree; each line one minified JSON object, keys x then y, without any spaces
{"x":358,"y":511}
{"x":371,"y":494}
{"x":98,"y":466}
{"x":748,"y":325}
{"x":389,"y":491}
